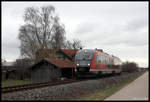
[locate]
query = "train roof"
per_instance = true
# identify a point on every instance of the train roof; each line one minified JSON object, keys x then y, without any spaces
{"x":86,"y":50}
{"x":99,"y":50}
{"x":102,"y":52}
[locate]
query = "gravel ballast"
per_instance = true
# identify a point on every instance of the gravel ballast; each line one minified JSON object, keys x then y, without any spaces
{"x":67,"y":91}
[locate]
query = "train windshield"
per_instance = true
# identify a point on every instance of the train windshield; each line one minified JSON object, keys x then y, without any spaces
{"x":85,"y":55}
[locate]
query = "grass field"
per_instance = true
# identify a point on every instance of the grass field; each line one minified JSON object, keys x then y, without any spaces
{"x":102,"y":94}
{"x":7,"y":83}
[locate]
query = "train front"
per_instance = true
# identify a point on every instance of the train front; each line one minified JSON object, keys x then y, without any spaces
{"x":83,"y":60}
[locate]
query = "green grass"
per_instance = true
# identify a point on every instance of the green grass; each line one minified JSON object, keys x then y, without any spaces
{"x":102,"y":94}
{"x":7,"y":83}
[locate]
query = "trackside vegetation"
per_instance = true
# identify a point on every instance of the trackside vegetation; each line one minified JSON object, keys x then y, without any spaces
{"x":106,"y":92}
{"x":7,"y":83}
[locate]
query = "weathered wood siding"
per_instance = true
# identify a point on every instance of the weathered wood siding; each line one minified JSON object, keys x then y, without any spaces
{"x":45,"y":72}
{"x":3,"y":75}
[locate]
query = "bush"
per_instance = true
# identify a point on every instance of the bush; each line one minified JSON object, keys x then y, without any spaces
{"x":129,"y":67}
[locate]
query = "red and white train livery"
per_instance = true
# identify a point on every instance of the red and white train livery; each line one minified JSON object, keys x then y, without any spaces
{"x":96,"y":62}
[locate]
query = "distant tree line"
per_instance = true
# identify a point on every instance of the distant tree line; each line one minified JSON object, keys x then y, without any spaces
{"x":129,"y":67}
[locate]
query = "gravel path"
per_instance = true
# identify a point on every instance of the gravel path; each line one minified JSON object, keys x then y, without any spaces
{"x":137,"y":90}
{"x":67,"y":91}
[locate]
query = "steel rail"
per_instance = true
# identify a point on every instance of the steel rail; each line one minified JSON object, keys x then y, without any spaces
{"x":37,"y":85}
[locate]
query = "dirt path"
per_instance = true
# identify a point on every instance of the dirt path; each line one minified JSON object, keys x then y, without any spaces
{"x":137,"y":90}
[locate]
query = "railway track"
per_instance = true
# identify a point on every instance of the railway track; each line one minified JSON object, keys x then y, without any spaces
{"x":40,"y":85}
{"x":37,"y":85}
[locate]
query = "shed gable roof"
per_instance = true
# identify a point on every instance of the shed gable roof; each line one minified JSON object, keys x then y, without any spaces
{"x":60,"y":63}
{"x":56,"y":62}
{"x":67,"y":52}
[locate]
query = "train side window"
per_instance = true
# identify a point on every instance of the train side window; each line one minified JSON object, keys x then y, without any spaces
{"x":102,"y":58}
{"x":105,"y":59}
{"x":112,"y":61}
{"x":96,"y":58}
{"x":99,"y":58}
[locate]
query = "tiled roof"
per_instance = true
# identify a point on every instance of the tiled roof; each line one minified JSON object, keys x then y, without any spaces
{"x":60,"y":63}
{"x":69,"y":52}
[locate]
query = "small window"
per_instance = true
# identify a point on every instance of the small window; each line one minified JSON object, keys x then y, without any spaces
{"x":103,"y":59}
{"x":99,"y":58}
{"x":106,"y":60}
{"x":109,"y":60}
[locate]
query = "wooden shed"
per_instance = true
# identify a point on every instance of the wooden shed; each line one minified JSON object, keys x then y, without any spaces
{"x":50,"y":69}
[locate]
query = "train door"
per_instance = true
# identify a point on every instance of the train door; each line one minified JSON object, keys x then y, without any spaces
{"x":102,"y":62}
{"x":98,"y":64}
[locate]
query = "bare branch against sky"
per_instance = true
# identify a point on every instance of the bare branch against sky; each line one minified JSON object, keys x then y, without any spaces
{"x":119,"y":28}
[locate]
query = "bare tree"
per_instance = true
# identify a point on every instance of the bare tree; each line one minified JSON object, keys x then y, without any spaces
{"x":23,"y":62}
{"x":42,"y":30}
{"x":68,"y":45}
{"x":58,"y":38}
{"x":75,"y":44}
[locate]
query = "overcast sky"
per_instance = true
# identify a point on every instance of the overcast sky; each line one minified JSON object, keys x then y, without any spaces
{"x":119,"y":28}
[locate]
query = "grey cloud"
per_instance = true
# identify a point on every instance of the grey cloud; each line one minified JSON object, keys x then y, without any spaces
{"x":85,"y":27}
{"x":10,"y":50}
{"x":129,"y":39}
{"x":134,"y":33}
{"x":10,"y":46}
{"x":137,"y":24}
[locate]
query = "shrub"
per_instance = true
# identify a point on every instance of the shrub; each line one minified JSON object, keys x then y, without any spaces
{"x":129,"y":67}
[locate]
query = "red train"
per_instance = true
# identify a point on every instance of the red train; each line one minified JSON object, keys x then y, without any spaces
{"x":95,"y":62}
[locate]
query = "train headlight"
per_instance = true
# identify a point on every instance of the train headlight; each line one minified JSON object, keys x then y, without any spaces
{"x":88,"y":64}
{"x":77,"y":64}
